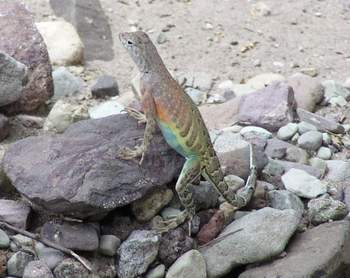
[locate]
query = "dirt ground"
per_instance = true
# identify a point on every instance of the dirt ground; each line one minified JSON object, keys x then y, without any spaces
{"x":209,"y":36}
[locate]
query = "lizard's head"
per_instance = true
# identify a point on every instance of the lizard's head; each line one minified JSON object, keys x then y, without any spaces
{"x":140,"y":48}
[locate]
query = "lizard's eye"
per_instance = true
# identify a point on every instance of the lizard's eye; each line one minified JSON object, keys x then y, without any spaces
{"x":130,"y":42}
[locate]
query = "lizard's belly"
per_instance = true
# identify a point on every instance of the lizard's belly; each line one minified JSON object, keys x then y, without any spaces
{"x":174,"y":140}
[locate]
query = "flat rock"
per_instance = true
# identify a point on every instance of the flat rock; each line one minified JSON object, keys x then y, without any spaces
{"x":308,"y":91}
{"x":311,"y":254}
{"x":65,"y":83}
{"x":105,"y":86}
{"x":60,"y":172}
{"x":13,"y":78}
{"x":303,"y":184}
{"x":338,"y":170}
{"x":321,"y":123}
{"x":35,"y":269}
{"x":284,"y":199}
{"x":26,"y":46}
{"x":63,"y":42}
{"x":190,"y":264}
{"x":287,"y":132}
{"x":326,"y":209}
{"x":137,"y":253}
{"x":265,"y":234}
{"x":14,"y":212}
{"x":75,"y":236}
{"x":271,"y":107}
{"x":106,"y":108}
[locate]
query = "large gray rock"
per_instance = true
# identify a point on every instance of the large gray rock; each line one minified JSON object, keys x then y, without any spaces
{"x":137,"y":253}
{"x":60,"y":172}
{"x":36,"y":269}
{"x":271,"y":107}
{"x":17,"y":263}
{"x":318,"y":252}
{"x":338,"y":170}
{"x":190,"y":264}
{"x":310,"y":140}
{"x":264,"y":235}
{"x":14,"y":212}
{"x":13,"y":78}
{"x":284,"y":199}
{"x":26,"y":46}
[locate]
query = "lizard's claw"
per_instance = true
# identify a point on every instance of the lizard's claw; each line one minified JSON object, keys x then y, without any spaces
{"x":128,"y":154}
{"x":140,"y":117}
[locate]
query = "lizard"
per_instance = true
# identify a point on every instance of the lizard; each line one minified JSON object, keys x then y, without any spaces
{"x":165,"y":104}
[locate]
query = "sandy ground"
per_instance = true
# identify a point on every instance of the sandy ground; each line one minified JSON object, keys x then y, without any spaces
{"x":209,"y":36}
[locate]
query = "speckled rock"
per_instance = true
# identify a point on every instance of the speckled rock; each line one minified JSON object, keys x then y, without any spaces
{"x":35,"y":269}
{"x":310,"y":140}
{"x":71,"y":268}
{"x":325,"y":209}
{"x":17,"y":263}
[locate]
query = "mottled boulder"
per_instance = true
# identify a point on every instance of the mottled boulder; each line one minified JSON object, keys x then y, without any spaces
{"x":271,"y":107}
{"x":26,"y":46}
{"x":318,"y":252}
{"x":78,"y":173}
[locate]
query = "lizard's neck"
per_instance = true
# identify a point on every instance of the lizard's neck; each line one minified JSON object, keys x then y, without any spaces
{"x":152,"y":64}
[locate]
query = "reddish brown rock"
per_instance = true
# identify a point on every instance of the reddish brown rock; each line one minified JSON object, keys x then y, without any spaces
{"x":21,"y":40}
{"x":212,"y":229}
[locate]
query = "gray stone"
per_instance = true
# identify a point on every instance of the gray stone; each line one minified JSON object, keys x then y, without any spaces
{"x":4,"y":127}
{"x":65,"y":83}
{"x":63,"y":171}
{"x":333,"y":88}
{"x":75,"y":236}
{"x":304,"y":127}
{"x":303,"y":184}
{"x":271,"y":107}
{"x":17,"y":263}
{"x":26,"y":46}
{"x":71,"y":268}
{"x":174,"y":244}
{"x":14,"y":212}
{"x":205,"y":195}
{"x":338,"y":170}
{"x":35,"y":269}
{"x":310,"y":140}
{"x":106,"y":108}
{"x":265,"y":233}
{"x":325,"y":209}
{"x":215,"y":98}
{"x":284,"y":199}
{"x":197,"y":96}
{"x":321,"y":123}
{"x":287,"y":132}
{"x":202,"y":81}
{"x":307,"y":91}
{"x":20,"y":242}
{"x":105,"y":86}
{"x":4,"y":240}
{"x":319,"y":164}
{"x":52,"y":257}
{"x":13,"y":78}
{"x":311,"y":254}
{"x":190,"y":264}
{"x":295,"y":154}
{"x":63,"y":114}
{"x":250,"y":131}
{"x":324,"y":153}
{"x":260,"y":81}
{"x":147,"y":207}
{"x":109,"y":245}
{"x":240,"y":90}
{"x":276,"y":148}
{"x":169,"y":212}
{"x":157,"y":272}
{"x":337,"y":101}
{"x":137,"y":253}
{"x":162,"y":38}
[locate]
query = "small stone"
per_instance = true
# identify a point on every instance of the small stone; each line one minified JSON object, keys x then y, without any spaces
{"x":337,"y":101}
{"x":14,"y":212}
{"x":255,"y":131}
{"x":71,"y":268}
{"x":63,"y":42}
{"x":326,"y":139}
{"x":313,"y":72}
{"x":169,"y":212}
{"x":105,"y":109}
{"x":325,"y":209}
{"x":19,"y":242}
{"x":205,"y":195}
{"x":109,"y":245}
{"x":4,"y":240}
{"x":202,"y":81}
{"x":304,"y":127}
{"x":197,"y":96}
{"x":295,"y":154}
{"x":17,"y":263}
{"x":157,"y":272}
{"x":310,"y":140}
{"x":210,"y":230}
{"x":35,"y":269}
{"x":303,"y":184}
{"x":190,"y":264}
{"x":162,"y":38}
{"x":262,"y":80}
{"x":286,"y":132}
{"x":284,"y":199}
{"x":105,"y":86}
{"x":52,"y":257}
{"x":295,"y":138}
{"x":146,"y":208}
{"x":324,"y":153}
{"x":333,"y":88}
{"x":257,"y":63}
{"x":63,"y":114}
{"x":319,"y":164}
{"x":137,"y":253}
{"x":260,"y":9}
{"x":216,"y":98}
{"x":65,"y":83}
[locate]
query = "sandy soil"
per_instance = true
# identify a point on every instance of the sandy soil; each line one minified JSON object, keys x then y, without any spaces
{"x":209,"y":36}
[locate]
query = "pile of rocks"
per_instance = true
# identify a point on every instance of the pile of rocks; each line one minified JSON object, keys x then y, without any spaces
{"x":68,"y":185}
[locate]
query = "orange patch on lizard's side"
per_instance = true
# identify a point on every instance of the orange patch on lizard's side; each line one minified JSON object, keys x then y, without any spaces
{"x":162,"y":114}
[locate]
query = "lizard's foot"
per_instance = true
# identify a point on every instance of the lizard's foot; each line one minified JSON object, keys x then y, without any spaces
{"x":140,"y":117}
{"x":167,"y":225}
{"x":128,"y":154}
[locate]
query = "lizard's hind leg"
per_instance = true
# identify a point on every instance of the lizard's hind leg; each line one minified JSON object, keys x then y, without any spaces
{"x":190,"y":171}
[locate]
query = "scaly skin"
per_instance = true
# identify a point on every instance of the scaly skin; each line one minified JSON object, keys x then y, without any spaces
{"x":165,"y":104}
